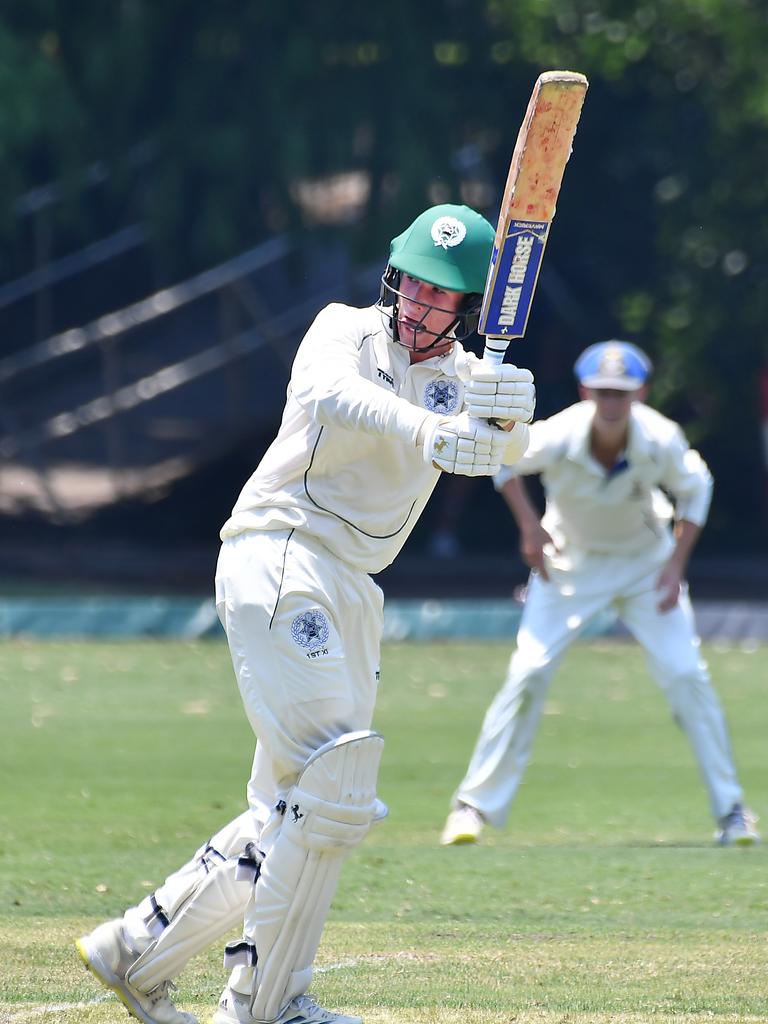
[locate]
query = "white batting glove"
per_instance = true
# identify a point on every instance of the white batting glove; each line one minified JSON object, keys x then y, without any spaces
{"x":466,"y":446}
{"x":500,"y":393}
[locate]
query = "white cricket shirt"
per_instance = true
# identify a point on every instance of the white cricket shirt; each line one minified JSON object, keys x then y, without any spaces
{"x":344,"y":466}
{"x":624,"y":510}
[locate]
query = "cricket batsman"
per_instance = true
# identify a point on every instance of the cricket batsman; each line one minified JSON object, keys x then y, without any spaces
{"x":605,"y":542}
{"x":381,"y":400}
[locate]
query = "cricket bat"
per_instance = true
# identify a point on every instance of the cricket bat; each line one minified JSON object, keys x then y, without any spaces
{"x":533,"y":183}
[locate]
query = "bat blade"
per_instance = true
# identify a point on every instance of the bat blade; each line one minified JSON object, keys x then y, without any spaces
{"x":535,"y":174}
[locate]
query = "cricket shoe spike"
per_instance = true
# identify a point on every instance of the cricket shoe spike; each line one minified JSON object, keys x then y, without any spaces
{"x":235,"y":1008}
{"x":737,"y":828}
{"x":108,"y":956}
{"x":463,"y":826}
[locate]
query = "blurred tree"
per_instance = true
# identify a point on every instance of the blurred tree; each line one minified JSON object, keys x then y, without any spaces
{"x":251,"y":109}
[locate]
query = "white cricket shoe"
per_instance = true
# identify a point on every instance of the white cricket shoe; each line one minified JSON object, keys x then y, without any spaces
{"x":108,"y":956}
{"x":737,"y":828}
{"x":464,"y":825}
{"x":235,"y":1008}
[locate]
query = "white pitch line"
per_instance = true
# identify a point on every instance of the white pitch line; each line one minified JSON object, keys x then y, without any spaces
{"x":40,"y":1011}
{"x":342,"y":965}
{"x":354,"y":962}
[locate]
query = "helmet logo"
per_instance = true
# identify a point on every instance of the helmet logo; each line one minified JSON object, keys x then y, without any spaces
{"x":448,"y":231}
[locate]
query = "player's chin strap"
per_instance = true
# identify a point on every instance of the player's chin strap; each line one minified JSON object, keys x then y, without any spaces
{"x":328,"y":812}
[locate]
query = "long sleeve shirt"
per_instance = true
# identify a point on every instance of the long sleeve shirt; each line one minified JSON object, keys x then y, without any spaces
{"x":345,"y":466}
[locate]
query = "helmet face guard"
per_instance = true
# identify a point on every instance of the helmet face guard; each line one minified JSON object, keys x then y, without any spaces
{"x":464,"y":322}
{"x":446,"y":246}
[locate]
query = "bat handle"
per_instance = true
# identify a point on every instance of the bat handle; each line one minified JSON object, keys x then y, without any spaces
{"x":494,"y":351}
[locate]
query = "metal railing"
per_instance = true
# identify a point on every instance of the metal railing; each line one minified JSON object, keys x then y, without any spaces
{"x":236,"y":320}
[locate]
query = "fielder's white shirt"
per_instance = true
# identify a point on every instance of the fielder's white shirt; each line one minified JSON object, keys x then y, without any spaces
{"x":344,"y":466}
{"x":620,"y":511}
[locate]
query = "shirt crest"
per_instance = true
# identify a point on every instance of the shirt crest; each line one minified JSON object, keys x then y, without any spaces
{"x":441,"y":396}
{"x":310,"y":629}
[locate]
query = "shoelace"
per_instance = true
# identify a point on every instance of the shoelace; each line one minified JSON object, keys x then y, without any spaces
{"x":308,"y":1005}
{"x":161,"y":993}
{"x":740,"y":817}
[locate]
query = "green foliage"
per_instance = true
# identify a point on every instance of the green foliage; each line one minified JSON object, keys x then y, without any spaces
{"x":603,"y":900}
{"x":661,"y":228}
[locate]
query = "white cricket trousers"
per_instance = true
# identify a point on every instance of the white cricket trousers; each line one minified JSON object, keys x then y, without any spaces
{"x":553,"y":616}
{"x":304,"y":632}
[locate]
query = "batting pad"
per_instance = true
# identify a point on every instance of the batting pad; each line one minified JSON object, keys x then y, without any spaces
{"x":329,"y":811}
{"x":202,"y":902}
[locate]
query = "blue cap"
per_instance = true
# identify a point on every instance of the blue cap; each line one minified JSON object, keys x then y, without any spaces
{"x":618,"y":365}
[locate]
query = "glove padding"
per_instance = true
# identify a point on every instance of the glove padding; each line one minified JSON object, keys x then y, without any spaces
{"x":469,"y":447}
{"x":500,"y":393}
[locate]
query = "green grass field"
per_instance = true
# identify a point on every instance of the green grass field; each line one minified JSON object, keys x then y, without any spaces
{"x":604,"y":899}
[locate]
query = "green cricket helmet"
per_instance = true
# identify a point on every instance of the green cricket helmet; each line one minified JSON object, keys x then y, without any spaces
{"x":446,"y":246}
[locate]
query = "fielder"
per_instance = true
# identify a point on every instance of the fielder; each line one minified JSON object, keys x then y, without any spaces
{"x":380,"y":401}
{"x":604,"y":543}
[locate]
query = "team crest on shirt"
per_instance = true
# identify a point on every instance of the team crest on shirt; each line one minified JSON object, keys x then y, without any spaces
{"x":441,"y":396}
{"x":448,"y":231}
{"x":637,"y":493}
{"x":311,"y":630}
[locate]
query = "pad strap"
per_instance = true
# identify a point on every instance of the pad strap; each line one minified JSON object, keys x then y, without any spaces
{"x":198,"y":904}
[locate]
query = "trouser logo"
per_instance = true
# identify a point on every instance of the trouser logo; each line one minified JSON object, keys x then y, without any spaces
{"x":295,"y":812}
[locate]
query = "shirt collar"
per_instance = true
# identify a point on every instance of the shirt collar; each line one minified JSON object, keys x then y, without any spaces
{"x":638,"y":442}
{"x":444,"y":364}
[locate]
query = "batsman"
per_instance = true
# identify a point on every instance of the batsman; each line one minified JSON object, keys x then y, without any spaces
{"x":381,"y":400}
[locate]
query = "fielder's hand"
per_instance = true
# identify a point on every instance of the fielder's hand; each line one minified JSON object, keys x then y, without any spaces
{"x":533,"y":539}
{"x":518,"y":436}
{"x":500,"y":393}
{"x":668,"y":585}
{"x":460,"y":444}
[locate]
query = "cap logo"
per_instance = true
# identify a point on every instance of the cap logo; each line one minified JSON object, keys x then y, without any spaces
{"x":612,"y":363}
{"x":448,"y":231}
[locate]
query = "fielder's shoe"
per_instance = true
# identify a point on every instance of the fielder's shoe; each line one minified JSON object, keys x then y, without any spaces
{"x":235,"y":1008}
{"x":737,"y":828}
{"x":108,"y":956}
{"x":464,"y":825}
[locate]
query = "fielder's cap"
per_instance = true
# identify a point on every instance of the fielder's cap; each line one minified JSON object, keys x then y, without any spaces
{"x":618,"y":365}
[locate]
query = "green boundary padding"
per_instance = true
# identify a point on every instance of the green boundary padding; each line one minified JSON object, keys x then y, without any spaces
{"x":194,"y":618}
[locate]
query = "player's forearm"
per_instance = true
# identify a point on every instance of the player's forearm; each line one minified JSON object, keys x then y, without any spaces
{"x":520,"y":505}
{"x":357,"y":404}
{"x":686,"y":536}
{"x":327,"y":383}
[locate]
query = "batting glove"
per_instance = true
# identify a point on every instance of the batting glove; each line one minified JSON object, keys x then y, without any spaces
{"x":500,"y":393}
{"x":466,"y":446}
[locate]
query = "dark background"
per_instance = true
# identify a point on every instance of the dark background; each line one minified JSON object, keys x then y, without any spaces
{"x":186,"y":184}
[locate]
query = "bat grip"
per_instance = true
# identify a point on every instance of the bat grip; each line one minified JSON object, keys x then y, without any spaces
{"x":493,"y":355}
